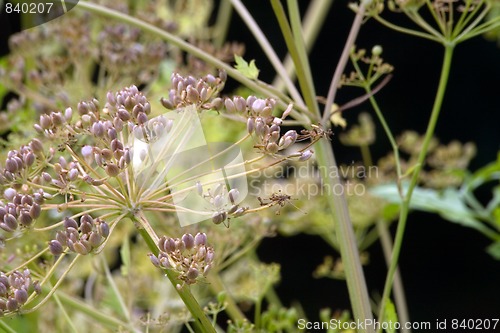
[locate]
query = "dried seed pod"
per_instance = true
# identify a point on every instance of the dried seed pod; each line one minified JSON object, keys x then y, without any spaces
{"x":55,"y":247}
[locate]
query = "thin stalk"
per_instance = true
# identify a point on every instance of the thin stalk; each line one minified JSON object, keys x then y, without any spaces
{"x":344,"y":58}
{"x":268,"y":49}
{"x":290,"y":41}
{"x":6,"y":327}
{"x":222,"y":24}
{"x":65,"y":313}
{"x":311,"y":25}
{"x":399,"y":293}
{"x":295,"y":22}
{"x":405,"y":207}
{"x":232,"y":309}
{"x":355,"y":278}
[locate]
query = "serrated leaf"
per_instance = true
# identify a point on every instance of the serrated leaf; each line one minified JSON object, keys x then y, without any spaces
{"x":250,"y":70}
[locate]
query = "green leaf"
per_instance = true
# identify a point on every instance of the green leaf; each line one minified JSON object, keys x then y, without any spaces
{"x":390,"y":316}
{"x":494,"y":250}
{"x":448,"y":203}
{"x":250,"y":70}
{"x":125,"y":256}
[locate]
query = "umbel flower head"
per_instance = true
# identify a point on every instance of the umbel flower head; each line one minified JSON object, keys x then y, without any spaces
{"x":101,"y":164}
{"x":189,"y":256}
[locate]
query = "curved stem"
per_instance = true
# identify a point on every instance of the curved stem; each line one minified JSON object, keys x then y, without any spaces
{"x":405,"y":207}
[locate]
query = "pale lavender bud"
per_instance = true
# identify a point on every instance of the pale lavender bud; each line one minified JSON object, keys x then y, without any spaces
{"x":250,"y":100}
{"x":233,"y":195}
{"x":98,"y":129}
{"x":170,"y":245}
{"x":57,"y":118}
{"x":36,"y":145}
{"x":218,"y":201}
{"x":306,"y":155}
{"x":73,"y":174}
{"x":266,"y":112}
{"x":240,"y":104}
{"x":9,"y":194}
{"x":166,"y":103}
{"x":62,"y":238}
{"x":250,"y":125}
{"x":85,"y":227}
{"x":200,"y":239}
{"x":83,"y":108}
{"x":142,"y":118}
{"x":154,"y":260}
{"x":11,"y":165}
{"x":68,"y":114}
{"x":45,"y":121}
{"x":258,"y":105}
{"x":230,"y":107}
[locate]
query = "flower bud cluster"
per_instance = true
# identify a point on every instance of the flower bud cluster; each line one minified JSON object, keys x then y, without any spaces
{"x":202,"y":92}
{"x":20,"y":209}
{"x":50,"y":123}
{"x":82,"y":237}
{"x":66,"y":173}
{"x":224,"y":203}
{"x":190,"y":256}
{"x":18,"y":161}
{"x":15,"y":288}
{"x":267,"y":134}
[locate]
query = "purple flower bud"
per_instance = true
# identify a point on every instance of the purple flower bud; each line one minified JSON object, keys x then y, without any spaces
{"x":25,"y":219}
{"x":55,"y":247}
{"x":200,"y":239}
{"x":250,"y":125}
{"x":29,"y":158}
{"x":258,"y":105}
{"x":95,"y":239}
{"x":83,"y":108}
{"x":112,"y":170}
{"x":10,"y":221}
{"x":57,"y":118}
{"x":36,"y":145}
{"x":11,"y":165}
{"x":188,"y":240}
{"x":240,"y":104}
{"x":62,"y":238}
{"x":166,"y":103}
{"x":98,"y":129}
{"x":154,"y":260}
{"x":142,"y":118}
{"x":68,"y":114}
{"x":70,"y":223}
{"x":73,"y":174}
{"x":85,"y":227}
{"x":80,"y":248}
{"x":192,"y":274}
{"x":170,"y":245}
{"x":45,"y":121}
{"x":12,"y":304}
{"x":192,"y":95}
{"x":103,"y":229}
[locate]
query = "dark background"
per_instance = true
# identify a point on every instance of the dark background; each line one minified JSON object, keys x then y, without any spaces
{"x":446,"y":272}
{"x":445,"y":269}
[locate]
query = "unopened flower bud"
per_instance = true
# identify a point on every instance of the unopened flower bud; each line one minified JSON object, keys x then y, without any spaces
{"x":200,"y":239}
{"x":188,"y":240}
{"x":55,"y":247}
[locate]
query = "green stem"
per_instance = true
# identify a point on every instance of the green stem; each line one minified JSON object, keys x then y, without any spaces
{"x":5,"y":327}
{"x":355,"y":278}
{"x":222,"y":25}
{"x":399,"y":293}
{"x":405,"y":207}
{"x":201,"y":321}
